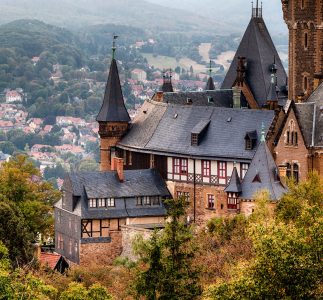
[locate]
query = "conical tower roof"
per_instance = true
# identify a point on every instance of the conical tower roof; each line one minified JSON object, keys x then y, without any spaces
{"x":210,"y":85}
{"x":262,"y":174}
{"x":235,"y":184}
{"x":259,"y":50}
{"x":113,"y":108}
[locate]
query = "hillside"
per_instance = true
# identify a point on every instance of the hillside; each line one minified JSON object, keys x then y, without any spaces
{"x":237,"y":11}
{"x":34,"y":37}
{"x":141,"y":14}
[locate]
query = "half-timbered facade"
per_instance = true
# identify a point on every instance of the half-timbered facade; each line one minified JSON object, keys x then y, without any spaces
{"x":95,"y":205}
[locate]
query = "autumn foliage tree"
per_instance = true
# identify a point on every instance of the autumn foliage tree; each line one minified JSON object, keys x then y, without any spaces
{"x":26,"y":207}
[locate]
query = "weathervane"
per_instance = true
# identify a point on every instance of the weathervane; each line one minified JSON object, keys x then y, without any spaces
{"x":114,"y":47}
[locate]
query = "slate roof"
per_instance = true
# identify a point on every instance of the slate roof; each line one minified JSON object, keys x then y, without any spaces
{"x":235,"y":184}
{"x":113,"y":108}
{"x":260,"y":52}
{"x":107,"y":185}
{"x":220,"y":98}
{"x":166,"y":130}
{"x":305,"y":113}
{"x":317,"y":99}
{"x":210,"y":85}
{"x":262,"y":174}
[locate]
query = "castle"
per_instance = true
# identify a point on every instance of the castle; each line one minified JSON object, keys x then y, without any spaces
{"x":215,"y":148}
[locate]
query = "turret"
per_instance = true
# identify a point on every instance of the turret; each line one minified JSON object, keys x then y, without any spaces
{"x":113,"y":117}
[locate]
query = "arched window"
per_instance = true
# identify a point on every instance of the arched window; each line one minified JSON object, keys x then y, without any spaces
{"x":305,"y":83}
{"x":296,"y":172}
{"x":302,"y":4}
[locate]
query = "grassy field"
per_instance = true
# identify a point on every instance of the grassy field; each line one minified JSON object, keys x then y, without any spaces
{"x":204,"y":50}
{"x":166,"y":62}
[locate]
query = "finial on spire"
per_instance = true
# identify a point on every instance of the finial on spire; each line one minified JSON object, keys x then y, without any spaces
{"x":114,"y":47}
{"x":262,"y":139}
{"x":210,"y":68}
{"x":257,"y":11}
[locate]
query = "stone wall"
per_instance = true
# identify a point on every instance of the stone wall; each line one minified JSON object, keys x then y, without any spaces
{"x":129,"y":234}
{"x":101,"y":253}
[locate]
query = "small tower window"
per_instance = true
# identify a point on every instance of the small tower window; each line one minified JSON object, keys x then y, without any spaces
{"x":302,"y":4}
{"x":305,"y":83}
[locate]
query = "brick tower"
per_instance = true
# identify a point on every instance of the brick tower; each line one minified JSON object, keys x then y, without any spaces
{"x":304,"y":19}
{"x":113,"y":117}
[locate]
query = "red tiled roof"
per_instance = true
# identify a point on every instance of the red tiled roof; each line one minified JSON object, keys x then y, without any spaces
{"x":49,"y":259}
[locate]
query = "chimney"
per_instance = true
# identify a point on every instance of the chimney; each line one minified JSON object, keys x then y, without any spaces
{"x":159,"y":97}
{"x":117,"y":165}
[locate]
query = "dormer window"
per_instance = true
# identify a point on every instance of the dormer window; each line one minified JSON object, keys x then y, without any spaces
{"x":248,"y":144}
{"x":111,"y":202}
{"x":250,"y":139}
{"x":101,"y":202}
{"x":92,"y":203}
{"x":194,"y":139}
{"x":199,"y":131}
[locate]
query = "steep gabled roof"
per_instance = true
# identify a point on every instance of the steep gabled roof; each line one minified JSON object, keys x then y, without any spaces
{"x":113,"y":108}
{"x":259,"y":50}
{"x":235,"y":184}
{"x":262,"y":175}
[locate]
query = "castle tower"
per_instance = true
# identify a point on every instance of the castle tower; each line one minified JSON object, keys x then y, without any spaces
{"x":304,"y":19}
{"x":167,"y":86}
{"x":113,"y":117}
{"x":210,"y":83}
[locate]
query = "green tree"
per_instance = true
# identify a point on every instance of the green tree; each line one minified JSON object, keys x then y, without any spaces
{"x":169,"y":271}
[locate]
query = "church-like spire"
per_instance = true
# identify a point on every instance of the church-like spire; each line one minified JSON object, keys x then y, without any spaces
{"x":113,"y":108}
{"x":167,"y":86}
{"x":210,"y":83}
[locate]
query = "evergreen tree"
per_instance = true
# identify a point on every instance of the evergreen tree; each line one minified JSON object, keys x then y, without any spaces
{"x":168,"y":258}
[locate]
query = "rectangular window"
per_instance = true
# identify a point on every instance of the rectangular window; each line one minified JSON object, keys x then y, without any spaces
{"x":69,"y":222}
{"x":211,"y":201}
{"x":232,"y":201}
{"x":111,"y":202}
{"x":156,"y":200}
{"x":244,"y":168}
{"x":222,"y":170}
{"x":147,"y":200}
{"x":139,"y":201}
{"x":101,"y":202}
{"x":152,"y":161}
{"x":59,"y":217}
{"x":180,"y":166}
{"x":130,"y":158}
{"x":70,"y":247}
{"x":92,"y":203}
{"x":60,"y":241}
{"x":95,"y":228}
{"x":76,"y":247}
{"x":206,"y":168}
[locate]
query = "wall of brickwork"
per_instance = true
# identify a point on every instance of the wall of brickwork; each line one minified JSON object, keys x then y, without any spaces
{"x":101,"y":253}
{"x":284,"y":153}
{"x":317,"y":161}
{"x":202,"y":212}
{"x":304,"y":60}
